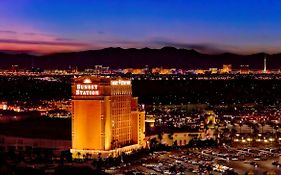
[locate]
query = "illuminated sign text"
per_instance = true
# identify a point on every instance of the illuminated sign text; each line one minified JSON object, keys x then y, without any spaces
{"x":121,"y":82}
{"x":87,"y":89}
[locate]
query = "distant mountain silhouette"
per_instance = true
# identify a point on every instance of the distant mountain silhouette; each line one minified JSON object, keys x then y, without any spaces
{"x":168,"y":57}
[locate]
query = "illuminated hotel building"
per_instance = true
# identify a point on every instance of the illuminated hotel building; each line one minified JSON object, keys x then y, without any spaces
{"x":106,"y":118}
{"x":226,"y":68}
{"x":244,"y":69}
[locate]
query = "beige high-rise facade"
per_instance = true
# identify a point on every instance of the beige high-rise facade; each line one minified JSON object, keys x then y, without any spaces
{"x":106,"y":118}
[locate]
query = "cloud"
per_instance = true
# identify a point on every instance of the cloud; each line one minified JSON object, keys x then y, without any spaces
{"x":17,"y":36}
{"x":121,"y":43}
{"x":101,"y":32}
{"x":157,"y":43}
{"x":64,"y":39}
{"x":8,"y":32}
{"x":53,"y":43}
{"x":201,"y":47}
{"x":38,"y":34}
{"x":41,"y":46}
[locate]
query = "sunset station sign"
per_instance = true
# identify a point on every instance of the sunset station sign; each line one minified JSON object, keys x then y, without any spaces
{"x":87,"y":88}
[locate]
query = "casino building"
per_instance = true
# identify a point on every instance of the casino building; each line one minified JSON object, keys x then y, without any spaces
{"x":106,"y":119}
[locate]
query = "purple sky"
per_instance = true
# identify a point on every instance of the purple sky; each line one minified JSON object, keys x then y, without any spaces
{"x":46,"y":26}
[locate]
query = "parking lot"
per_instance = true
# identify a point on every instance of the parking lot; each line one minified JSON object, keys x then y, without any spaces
{"x":203,"y":161}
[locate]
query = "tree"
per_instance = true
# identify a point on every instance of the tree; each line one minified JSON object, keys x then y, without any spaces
{"x":226,"y":131}
{"x":262,"y":125}
{"x":173,"y":169}
{"x":160,"y":136}
{"x":240,"y":125}
{"x":181,"y":169}
{"x":110,"y":161}
{"x":153,"y":143}
{"x":233,"y":132}
{"x":78,"y":155}
{"x":175,"y":143}
{"x":272,"y":125}
{"x":170,"y":136}
{"x":99,"y":163}
{"x":276,"y":127}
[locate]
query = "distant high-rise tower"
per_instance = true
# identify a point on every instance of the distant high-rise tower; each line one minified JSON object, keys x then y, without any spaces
{"x":264,"y":64}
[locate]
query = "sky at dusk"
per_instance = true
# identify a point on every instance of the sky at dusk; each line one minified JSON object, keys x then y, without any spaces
{"x":209,"y":26}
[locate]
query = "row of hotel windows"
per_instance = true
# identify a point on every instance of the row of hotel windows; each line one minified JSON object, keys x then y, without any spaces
{"x":124,"y":111}
{"x":120,"y":101}
{"x":122,"y":124}
{"x":121,"y":105}
{"x":122,"y":138}
{"x":121,"y":92}
{"x":123,"y":130}
{"x":121,"y":116}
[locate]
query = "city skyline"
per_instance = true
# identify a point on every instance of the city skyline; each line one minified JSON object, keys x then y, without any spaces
{"x":140,"y":87}
{"x":61,"y":26}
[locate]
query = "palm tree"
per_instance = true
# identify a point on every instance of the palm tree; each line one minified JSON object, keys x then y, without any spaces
{"x":160,"y":136}
{"x":99,"y":163}
{"x":272,"y":125}
{"x":173,"y":169}
{"x":78,"y":155}
{"x":240,"y":125}
{"x":262,"y":125}
{"x":225,"y":132}
{"x":153,"y":143}
{"x":170,"y":136}
{"x":255,"y":129}
{"x":233,"y":132}
{"x":276,"y":127}
{"x":88,"y":156}
{"x":181,"y":169}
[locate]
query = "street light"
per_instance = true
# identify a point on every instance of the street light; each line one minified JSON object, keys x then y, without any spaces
{"x":249,"y":139}
{"x":271,"y":139}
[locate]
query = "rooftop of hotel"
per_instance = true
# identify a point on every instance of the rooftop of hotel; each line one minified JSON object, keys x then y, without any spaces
{"x":96,"y":78}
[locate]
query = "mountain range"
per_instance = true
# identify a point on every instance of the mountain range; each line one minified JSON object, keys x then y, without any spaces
{"x":168,"y":57}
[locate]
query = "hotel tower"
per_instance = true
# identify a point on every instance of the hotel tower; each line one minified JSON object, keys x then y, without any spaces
{"x":106,"y":119}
